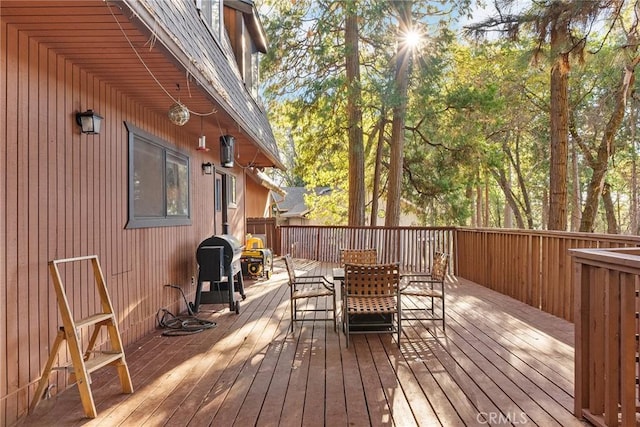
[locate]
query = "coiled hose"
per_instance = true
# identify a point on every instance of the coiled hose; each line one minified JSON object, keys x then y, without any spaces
{"x":181,"y":325}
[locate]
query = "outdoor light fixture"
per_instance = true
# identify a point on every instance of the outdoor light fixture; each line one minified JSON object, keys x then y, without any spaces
{"x":179,"y":114}
{"x":89,"y":122}
{"x":207,"y":168}
{"x":226,"y":150}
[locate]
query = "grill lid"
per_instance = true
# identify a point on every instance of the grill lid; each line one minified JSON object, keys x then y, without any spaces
{"x":232,"y":248}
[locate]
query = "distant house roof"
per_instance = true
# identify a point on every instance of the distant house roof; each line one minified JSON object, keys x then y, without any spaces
{"x":210,"y":63}
{"x":293,"y":204}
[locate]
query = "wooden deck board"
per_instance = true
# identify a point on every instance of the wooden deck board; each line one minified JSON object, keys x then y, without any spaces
{"x":377,"y":405}
{"x":440,"y":392}
{"x":356,"y":403}
{"x":313,"y":413}
{"x":500,"y":361}
{"x":243,"y":344}
{"x":396,"y":396}
{"x":528,"y":370}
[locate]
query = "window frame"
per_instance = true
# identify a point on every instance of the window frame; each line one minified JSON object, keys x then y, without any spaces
{"x":232,"y":191}
{"x":169,"y":153}
{"x":206,"y":9}
{"x":218,"y":194}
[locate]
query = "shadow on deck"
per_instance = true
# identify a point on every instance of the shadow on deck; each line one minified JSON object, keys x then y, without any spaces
{"x":501,"y":362}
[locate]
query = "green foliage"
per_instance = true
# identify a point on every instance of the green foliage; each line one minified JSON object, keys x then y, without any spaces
{"x":477,"y":117}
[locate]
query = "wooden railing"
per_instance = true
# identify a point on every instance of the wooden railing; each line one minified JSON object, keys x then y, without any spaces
{"x":411,"y":247}
{"x":606,"y":331}
{"x":531,"y":266}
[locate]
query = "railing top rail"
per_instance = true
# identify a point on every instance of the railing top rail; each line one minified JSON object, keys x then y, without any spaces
{"x":623,"y":238}
{"x":368,"y":227}
{"x":623,"y":259}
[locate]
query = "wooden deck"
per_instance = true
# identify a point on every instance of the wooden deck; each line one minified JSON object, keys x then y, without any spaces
{"x":501,"y":362}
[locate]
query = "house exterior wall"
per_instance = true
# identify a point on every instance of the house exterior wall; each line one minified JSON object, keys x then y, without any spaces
{"x":64,"y":194}
{"x":257,"y":206}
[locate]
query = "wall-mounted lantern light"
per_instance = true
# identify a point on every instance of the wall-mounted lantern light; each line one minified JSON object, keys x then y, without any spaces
{"x":89,"y":121}
{"x":207,"y":168}
{"x":226,"y":150}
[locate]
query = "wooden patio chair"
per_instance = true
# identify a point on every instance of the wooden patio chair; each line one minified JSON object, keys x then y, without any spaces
{"x":306,"y":288}
{"x":358,"y":256}
{"x":371,"y":299}
{"x":421,"y":291}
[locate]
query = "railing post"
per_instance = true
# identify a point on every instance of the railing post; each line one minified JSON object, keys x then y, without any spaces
{"x":606,"y":353}
{"x":628,"y":351}
{"x":581,"y":385}
{"x":612,"y":353}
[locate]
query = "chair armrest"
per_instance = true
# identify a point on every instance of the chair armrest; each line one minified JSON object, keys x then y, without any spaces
{"x":313,"y":277}
{"x":409,"y":279}
{"x":314,"y":280}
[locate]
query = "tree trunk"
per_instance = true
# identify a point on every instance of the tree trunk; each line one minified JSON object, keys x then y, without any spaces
{"x":469,"y":196}
{"x":576,"y":205}
{"x":403,"y":58}
{"x":478,"y":205}
{"x":545,"y":208}
{"x":594,"y":191}
{"x":601,"y":162}
{"x":354,"y":114}
{"x":508,"y":208}
{"x":612,"y":223}
{"x":634,"y":180}
{"x":516,"y":164}
{"x":487,"y":206}
{"x":511,"y":207}
{"x":559,"y":110}
{"x":376,"y":171}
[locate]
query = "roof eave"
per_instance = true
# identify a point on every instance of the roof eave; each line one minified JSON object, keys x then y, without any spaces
{"x":142,"y":15}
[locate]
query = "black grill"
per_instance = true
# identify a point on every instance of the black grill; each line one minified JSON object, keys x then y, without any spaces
{"x":219,"y":265}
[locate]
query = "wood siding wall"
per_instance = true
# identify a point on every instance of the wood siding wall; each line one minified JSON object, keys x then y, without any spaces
{"x":265,"y":227}
{"x":64,"y":194}
{"x":258,"y":204}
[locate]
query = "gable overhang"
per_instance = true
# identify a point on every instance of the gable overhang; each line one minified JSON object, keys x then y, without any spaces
{"x":122,"y":44}
{"x":252,"y":21}
{"x":262,"y":179}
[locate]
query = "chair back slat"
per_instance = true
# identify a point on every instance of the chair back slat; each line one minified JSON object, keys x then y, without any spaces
{"x":371,"y":279}
{"x":288,"y":262}
{"x":439,"y":269}
{"x":358,"y":256}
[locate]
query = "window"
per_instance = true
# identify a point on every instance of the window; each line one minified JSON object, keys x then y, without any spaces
{"x":158,"y":182}
{"x":255,"y":73}
{"x":210,"y":11}
{"x":218,"y":194}
{"x":232,"y":192}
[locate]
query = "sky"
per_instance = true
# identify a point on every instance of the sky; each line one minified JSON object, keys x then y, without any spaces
{"x":479,"y":13}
